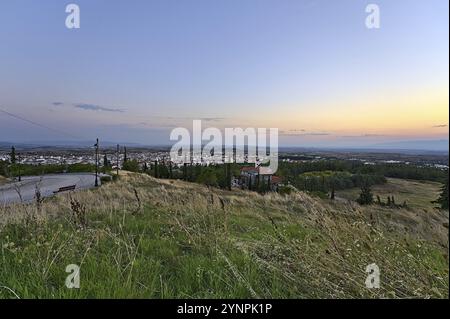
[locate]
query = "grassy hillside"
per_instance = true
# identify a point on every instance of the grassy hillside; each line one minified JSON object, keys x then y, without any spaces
{"x":148,"y":238}
{"x":417,"y":194}
{"x":3,"y":180}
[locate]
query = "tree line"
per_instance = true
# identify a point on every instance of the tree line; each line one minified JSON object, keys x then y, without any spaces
{"x":330,"y":181}
{"x":395,"y":170}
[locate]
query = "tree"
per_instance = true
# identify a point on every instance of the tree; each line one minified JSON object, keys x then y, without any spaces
{"x":207,"y":177}
{"x":333,"y":186}
{"x":443,"y":198}
{"x":228,"y":176}
{"x":125,"y":158}
{"x":131,"y":165}
{"x":333,"y":180}
{"x":379,"y":200}
{"x":105,"y":163}
{"x":13,"y":155}
{"x":366,"y":196}
{"x":163,"y":171}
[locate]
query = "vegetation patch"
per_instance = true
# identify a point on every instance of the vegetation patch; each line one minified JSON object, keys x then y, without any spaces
{"x":191,"y":241}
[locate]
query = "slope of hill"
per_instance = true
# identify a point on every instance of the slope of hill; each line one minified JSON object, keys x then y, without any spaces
{"x":3,"y":180}
{"x":147,"y":238}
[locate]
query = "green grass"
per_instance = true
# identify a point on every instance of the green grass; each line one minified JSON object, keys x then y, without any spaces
{"x":182,"y":240}
{"x":417,"y":194}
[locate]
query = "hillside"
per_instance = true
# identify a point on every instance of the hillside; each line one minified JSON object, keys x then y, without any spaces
{"x":3,"y":180}
{"x":146,"y":238}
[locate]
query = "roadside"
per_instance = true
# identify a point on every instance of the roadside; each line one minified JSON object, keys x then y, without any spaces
{"x":46,"y":185}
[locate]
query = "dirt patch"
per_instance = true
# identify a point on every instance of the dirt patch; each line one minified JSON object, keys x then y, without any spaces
{"x":3,"y":180}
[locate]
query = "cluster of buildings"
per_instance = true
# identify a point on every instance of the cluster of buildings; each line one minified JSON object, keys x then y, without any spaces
{"x":83,"y":157}
{"x":259,"y":177}
{"x":36,"y":159}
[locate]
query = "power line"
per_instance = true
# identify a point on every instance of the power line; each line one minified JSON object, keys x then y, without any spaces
{"x":18,"y":117}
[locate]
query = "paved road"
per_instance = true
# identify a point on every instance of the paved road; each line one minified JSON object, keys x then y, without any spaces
{"x":9,"y":193}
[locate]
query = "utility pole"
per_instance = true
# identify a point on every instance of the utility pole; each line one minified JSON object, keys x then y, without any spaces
{"x":96,"y":163}
{"x":117,"y":164}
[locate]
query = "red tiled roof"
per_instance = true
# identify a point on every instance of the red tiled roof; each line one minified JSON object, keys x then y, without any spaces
{"x":276,"y":179}
{"x":262,"y":170}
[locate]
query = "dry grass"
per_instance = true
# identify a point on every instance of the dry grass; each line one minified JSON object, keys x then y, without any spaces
{"x":417,"y":194}
{"x":249,"y":245}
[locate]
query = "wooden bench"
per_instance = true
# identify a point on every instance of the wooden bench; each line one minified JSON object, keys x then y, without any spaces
{"x":65,"y":189}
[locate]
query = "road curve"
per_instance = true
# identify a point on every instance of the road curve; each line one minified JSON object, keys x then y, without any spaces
{"x":25,"y":190}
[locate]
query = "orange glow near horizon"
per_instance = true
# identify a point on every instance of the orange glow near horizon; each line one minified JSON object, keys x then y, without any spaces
{"x":416,"y":115}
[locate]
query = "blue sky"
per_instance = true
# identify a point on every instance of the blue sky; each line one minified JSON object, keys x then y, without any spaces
{"x":135,"y":69}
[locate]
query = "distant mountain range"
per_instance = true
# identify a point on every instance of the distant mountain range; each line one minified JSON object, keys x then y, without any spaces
{"x":427,"y":145}
{"x":415,"y":146}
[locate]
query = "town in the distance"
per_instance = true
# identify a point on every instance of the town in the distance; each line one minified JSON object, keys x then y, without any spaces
{"x":322,"y":172}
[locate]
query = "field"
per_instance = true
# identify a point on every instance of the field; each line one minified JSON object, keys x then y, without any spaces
{"x":417,"y":194}
{"x":141,"y":237}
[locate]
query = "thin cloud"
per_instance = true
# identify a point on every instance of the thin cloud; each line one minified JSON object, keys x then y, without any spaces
{"x":94,"y":107}
{"x":440,"y":125}
{"x":212,"y":119}
{"x":156,"y":126}
{"x":90,"y":107}
{"x":293,"y":131}
{"x":205,"y":119}
{"x":302,"y":132}
{"x":316,"y":134}
{"x":362,"y":135}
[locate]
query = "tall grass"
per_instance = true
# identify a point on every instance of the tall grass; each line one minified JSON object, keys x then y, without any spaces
{"x":147,"y":238}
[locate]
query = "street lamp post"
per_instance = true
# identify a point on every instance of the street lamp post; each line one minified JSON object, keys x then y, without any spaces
{"x":117,"y":163}
{"x":96,"y":163}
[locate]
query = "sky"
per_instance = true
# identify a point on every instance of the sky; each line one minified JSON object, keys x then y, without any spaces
{"x":135,"y":70}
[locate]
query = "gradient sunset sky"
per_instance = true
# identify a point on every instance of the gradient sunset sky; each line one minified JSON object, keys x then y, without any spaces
{"x":136,"y":69}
